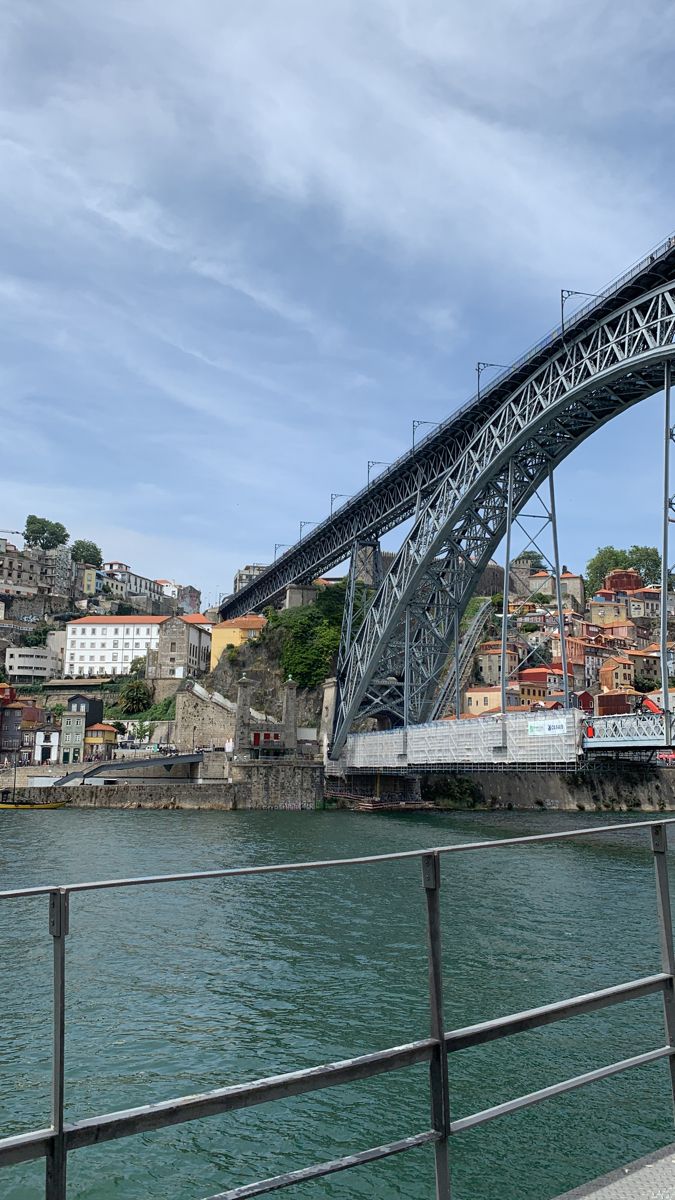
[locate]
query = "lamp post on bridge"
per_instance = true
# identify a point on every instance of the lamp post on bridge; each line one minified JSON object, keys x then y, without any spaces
{"x":415,"y":426}
{"x":375,"y":462}
{"x":280,"y":546}
{"x":303,"y":525}
{"x":483,"y":366}
{"x":337,"y":496}
{"x":565,"y":295}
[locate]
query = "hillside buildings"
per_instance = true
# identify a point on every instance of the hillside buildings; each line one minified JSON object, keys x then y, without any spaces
{"x":234,"y":633}
{"x":108,"y":645}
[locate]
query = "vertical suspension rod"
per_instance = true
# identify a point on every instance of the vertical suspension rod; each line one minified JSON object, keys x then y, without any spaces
{"x":458,"y":682}
{"x":505,"y":597}
{"x":558,"y":590}
{"x":665,"y":555}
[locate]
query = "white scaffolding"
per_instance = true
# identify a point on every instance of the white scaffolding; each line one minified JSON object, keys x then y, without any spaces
{"x":518,"y":738}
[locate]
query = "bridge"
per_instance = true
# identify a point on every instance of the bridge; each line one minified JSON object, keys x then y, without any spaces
{"x":465,"y":485}
{"x":114,"y":766}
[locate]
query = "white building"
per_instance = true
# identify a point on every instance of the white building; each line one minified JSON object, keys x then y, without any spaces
{"x":109,"y":645}
{"x":28,"y":664}
{"x":56,"y":642}
{"x":132,"y":584}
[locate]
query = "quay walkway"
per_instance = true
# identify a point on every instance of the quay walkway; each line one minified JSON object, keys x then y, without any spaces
{"x":649,"y":1178}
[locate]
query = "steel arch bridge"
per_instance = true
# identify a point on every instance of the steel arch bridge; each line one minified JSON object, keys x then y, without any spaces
{"x":464,"y":482}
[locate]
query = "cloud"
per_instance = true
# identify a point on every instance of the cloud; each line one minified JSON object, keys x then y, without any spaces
{"x":245,"y":245}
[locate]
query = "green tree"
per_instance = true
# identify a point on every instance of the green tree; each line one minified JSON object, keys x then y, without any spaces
{"x":119,"y":726}
{"x":43,"y":533}
{"x":137,"y":668}
{"x":36,"y":635}
{"x":135,"y":697}
{"x":605,"y":559}
{"x":536,"y":561}
{"x":642,"y":684}
{"x":58,"y":710}
{"x":144,"y":730}
{"x":83,"y":551}
{"x":647,"y":561}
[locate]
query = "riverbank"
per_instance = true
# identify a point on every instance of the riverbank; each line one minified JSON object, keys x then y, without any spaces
{"x":626,"y":788}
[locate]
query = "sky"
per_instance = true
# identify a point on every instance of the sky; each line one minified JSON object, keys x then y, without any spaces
{"x":244,"y":245}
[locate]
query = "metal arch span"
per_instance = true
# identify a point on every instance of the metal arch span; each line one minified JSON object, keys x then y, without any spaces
{"x":591,"y":379}
{"x":396,"y":494}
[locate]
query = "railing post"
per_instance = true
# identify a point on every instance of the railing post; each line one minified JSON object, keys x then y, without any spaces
{"x":55,"y":1183}
{"x":660,"y":846}
{"x":438,"y":1070}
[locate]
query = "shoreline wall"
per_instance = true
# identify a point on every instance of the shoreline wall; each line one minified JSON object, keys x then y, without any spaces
{"x":628,"y":789}
{"x":255,"y":785}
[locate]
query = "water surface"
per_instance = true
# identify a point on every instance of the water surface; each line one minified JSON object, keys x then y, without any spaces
{"x":186,"y":987}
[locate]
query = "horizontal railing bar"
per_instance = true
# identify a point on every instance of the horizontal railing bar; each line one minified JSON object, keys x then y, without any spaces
{"x":23,"y":1147}
{"x":534,"y":1018}
{"x":128,"y":1122}
{"x":558,"y":1089}
{"x":318,"y":864}
{"x":277,"y":1182}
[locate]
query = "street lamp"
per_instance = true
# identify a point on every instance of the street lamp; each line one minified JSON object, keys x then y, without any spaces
{"x":303,"y":524}
{"x":337,"y":496}
{"x":375,"y":462}
{"x":483,"y":366}
{"x":565,"y":294}
{"x":416,"y":425}
{"x":280,"y":546}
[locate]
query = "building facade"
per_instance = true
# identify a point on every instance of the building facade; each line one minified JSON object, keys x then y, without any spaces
{"x":31,"y":664}
{"x":109,"y":645}
{"x":131,"y":583}
{"x":183,"y":649}
{"x":234,"y":633}
{"x":247,"y":574}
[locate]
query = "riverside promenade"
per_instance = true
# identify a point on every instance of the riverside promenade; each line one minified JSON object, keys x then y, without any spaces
{"x":649,"y":1178}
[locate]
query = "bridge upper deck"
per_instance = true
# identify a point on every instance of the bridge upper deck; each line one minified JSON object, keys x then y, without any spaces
{"x":392,"y":497}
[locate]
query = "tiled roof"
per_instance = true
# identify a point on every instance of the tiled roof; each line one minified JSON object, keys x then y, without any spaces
{"x":141,"y":619}
{"x":101,"y":725}
{"x":253,"y":621}
{"x":196,"y":619}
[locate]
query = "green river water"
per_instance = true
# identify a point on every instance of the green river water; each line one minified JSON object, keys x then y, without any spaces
{"x":185,"y":987}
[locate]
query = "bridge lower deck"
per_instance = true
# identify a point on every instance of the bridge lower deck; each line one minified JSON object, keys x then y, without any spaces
{"x":650,"y":1178}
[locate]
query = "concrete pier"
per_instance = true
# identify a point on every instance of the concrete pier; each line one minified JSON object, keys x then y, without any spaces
{"x":650,"y":1178}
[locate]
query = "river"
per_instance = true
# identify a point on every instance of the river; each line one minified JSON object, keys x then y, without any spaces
{"x":191,"y":986}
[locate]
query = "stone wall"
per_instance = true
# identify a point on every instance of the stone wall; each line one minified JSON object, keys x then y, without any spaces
{"x":276,"y":785}
{"x":285,"y":785}
{"x":162,"y":688}
{"x":632,"y":788}
{"x":200,"y":723}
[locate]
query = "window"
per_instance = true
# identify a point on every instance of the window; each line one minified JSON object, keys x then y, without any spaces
{"x":82,"y":708}
{"x":172,"y":648}
{"x":68,"y":721}
{"x":485,"y":699}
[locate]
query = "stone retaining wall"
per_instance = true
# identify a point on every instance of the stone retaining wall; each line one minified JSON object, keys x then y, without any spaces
{"x":285,"y":786}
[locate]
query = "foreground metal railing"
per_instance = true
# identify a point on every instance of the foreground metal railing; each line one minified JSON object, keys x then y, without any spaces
{"x":53,"y":1144}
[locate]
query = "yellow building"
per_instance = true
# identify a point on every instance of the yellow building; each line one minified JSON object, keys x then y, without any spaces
{"x":99,"y":740}
{"x":234,"y":633}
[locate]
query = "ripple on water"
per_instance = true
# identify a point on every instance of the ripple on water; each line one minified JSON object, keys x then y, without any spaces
{"x":185,"y":987}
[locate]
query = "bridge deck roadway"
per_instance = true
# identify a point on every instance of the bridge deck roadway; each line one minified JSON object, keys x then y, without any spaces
{"x":650,"y":1178}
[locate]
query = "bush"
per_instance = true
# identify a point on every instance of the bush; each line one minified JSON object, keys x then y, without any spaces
{"x":310,"y":636}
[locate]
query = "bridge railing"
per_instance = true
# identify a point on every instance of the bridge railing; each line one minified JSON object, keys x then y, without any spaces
{"x":56,"y":1142}
{"x":629,"y":729}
